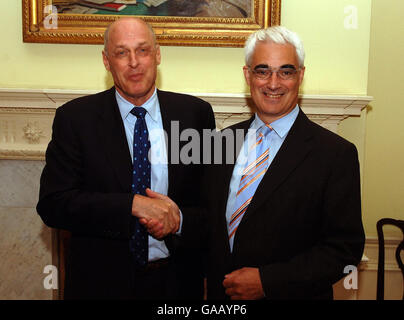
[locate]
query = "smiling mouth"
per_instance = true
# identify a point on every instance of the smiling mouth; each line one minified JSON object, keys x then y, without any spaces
{"x":272,"y":95}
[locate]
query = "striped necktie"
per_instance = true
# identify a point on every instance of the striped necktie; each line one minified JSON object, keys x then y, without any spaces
{"x":256,"y":166}
{"x":141,"y":180}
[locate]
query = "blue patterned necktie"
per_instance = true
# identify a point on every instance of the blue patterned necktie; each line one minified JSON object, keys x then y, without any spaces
{"x":256,"y":166}
{"x":139,"y":246}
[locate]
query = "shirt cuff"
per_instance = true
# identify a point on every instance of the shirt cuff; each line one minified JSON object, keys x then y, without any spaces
{"x":178,"y":233}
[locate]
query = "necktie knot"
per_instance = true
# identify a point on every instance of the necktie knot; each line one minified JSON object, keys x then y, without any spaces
{"x":138,"y":112}
{"x":265,"y":129}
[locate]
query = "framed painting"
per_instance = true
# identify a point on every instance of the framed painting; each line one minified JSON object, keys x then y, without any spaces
{"x":224,"y":23}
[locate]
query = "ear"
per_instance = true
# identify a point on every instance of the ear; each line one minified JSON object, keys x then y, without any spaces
{"x":158,"y":55}
{"x":247,"y":75}
{"x":301,"y":75}
{"x":105,"y":60}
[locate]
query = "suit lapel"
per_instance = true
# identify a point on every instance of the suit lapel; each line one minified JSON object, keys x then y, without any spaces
{"x":293,"y":151}
{"x":168,"y":111}
{"x":229,"y":167}
{"x":112,"y":131}
{"x":167,"y":115}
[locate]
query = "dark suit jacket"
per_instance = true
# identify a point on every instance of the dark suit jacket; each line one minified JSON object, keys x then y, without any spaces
{"x":303,"y":225}
{"x":86,"y":189}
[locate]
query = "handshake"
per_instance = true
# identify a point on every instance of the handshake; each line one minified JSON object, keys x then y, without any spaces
{"x":157,"y":213}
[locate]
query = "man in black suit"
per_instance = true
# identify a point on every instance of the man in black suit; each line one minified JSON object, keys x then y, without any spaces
{"x":87,"y":189}
{"x":292,"y":234}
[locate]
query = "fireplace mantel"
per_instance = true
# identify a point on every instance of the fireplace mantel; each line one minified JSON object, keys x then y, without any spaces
{"x":26,"y":115}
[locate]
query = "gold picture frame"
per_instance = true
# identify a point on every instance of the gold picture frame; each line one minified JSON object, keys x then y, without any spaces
{"x":42,"y":24}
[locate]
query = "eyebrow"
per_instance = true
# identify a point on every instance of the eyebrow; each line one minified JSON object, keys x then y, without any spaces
{"x":265,"y":66}
{"x":261,"y":66}
{"x":144,"y":43}
{"x":291,"y":66}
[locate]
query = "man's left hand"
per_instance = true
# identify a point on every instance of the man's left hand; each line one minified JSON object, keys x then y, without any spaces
{"x":244,"y":284}
{"x":157,"y":212}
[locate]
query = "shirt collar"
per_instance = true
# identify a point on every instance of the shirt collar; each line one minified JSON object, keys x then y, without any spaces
{"x":151,"y":106}
{"x":280,"y":126}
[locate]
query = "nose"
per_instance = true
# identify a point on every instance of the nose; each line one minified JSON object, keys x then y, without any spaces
{"x":273,"y":80}
{"x":133,"y":62}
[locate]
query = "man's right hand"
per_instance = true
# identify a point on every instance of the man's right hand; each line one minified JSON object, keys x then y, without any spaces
{"x":157,"y":212}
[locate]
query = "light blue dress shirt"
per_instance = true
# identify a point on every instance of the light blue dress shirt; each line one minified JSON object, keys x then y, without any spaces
{"x":274,"y":140}
{"x":158,"y":154}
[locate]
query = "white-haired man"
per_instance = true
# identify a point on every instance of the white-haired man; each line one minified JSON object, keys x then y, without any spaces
{"x":285,"y":223}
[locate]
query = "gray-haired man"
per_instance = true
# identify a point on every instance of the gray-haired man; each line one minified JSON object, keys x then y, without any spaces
{"x":285,"y":223}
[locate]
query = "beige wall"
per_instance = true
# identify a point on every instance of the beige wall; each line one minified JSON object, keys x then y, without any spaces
{"x":383,"y":192}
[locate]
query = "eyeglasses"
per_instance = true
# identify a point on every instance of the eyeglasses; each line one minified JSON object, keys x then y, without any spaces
{"x":285,"y":73}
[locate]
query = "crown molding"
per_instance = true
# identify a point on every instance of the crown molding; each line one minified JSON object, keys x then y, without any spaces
{"x":326,"y":110}
{"x":26,"y":115}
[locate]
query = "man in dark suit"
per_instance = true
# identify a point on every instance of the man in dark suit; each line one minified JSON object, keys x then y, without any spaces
{"x":89,"y":185}
{"x":284,"y":220}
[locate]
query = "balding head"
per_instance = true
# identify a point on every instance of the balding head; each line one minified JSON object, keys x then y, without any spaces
{"x":132,"y":56}
{"x":123,"y":24}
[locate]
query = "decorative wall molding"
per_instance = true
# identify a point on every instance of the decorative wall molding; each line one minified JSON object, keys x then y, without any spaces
{"x":26,"y":115}
{"x":326,"y":110}
{"x":372,"y":251}
{"x":367,"y":274}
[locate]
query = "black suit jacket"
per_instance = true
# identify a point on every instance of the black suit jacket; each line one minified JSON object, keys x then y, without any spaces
{"x":86,"y":188}
{"x":303,"y":225}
